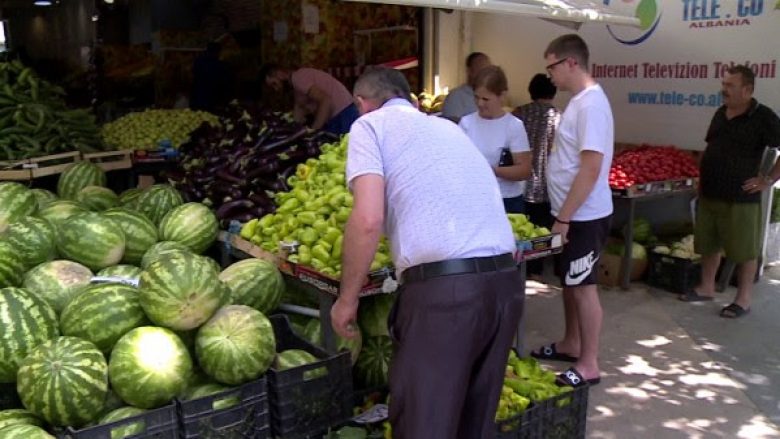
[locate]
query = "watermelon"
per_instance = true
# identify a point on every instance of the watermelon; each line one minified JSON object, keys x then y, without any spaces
{"x":149,"y":366}
{"x":210,"y":389}
{"x":58,"y":211}
{"x":43,"y":197}
{"x":129,"y":197}
{"x":313,"y":333}
{"x":373,"y":364}
{"x":181,"y":292}
{"x":12,"y":265}
{"x":78,"y":176}
{"x":103,"y":313}
{"x":293,"y":358}
{"x":374,"y":311}
{"x":132,"y":427}
{"x":26,"y":321}
{"x":33,"y":238}
{"x":111,"y":403}
{"x":254,"y":282}
{"x":236,"y":345}
{"x":160,"y":250}
{"x":18,"y":416}
{"x":191,"y":224}
{"x":24,"y":431}
{"x":16,"y":202}
{"x":157,"y":201}
{"x":92,"y":239}
{"x":97,"y":198}
{"x":140,"y":233}
{"x":64,"y":381}
{"x":57,"y":282}
{"x":122,"y":271}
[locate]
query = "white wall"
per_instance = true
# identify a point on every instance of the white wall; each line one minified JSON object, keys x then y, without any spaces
{"x":697,"y":36}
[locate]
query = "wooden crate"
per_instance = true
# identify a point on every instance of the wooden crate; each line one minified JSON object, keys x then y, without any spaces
{"x":53,"y":164}
{"x":111,"y":160}
{"x":17,"y":170}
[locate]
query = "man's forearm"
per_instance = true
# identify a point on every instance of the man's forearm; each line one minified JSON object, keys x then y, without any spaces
{"x":580,"y":190}
{"x":321,"y":118}
{"x":360,"y":244}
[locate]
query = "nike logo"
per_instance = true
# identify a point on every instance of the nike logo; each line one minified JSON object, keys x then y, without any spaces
{"x":579,"y":269}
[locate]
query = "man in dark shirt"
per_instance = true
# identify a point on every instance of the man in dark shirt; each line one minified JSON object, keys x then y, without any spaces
{"x":729,"y":213}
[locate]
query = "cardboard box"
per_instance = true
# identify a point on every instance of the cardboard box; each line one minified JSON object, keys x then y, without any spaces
{"x":610,"y":270}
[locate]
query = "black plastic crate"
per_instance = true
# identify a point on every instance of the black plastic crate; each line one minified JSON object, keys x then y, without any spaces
{"x":304,"y":407}
{"x":248,"y":418}
{"x":561,"y":417}
{"x":161,"y":423}
{"x":671,"y":273}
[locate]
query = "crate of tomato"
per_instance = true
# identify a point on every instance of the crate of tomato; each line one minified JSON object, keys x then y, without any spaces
{"x":637,"y":171}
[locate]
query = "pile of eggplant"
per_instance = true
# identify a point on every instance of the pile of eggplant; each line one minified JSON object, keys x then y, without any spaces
{"x":236,"y":168}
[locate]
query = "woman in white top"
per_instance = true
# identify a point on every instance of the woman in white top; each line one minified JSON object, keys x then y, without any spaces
{"x":493,"y":130}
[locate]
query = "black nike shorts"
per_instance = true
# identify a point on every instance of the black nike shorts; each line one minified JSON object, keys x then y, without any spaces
{"x":578,"y":262}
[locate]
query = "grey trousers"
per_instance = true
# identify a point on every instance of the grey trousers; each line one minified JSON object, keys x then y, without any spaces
{"x":452,"y":336}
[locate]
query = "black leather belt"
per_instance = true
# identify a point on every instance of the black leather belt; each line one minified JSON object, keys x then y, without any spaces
{"x":458,"y":266}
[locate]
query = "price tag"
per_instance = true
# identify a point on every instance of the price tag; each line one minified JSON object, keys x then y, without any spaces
{"x":133,"y":282}
{"x":375,"y":414}
{"x":689,"y":182}
{"x":30,"y":166}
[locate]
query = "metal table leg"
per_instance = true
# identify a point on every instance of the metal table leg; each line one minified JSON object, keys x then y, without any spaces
{"x":328,"y":336}
{"x":625,"y":281}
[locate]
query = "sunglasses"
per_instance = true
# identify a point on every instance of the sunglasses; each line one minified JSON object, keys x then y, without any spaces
{"x":552,"y":66}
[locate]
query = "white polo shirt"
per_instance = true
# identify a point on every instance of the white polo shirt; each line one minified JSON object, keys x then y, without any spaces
{"x":586,"y":125}
{"x":491,"y":136}
{"x":442,"y":199}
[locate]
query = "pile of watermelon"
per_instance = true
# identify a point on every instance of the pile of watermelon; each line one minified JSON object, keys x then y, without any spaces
{"x":167,"y":324}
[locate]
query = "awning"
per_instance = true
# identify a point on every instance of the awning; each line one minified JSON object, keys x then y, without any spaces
{"x":580,"y":11}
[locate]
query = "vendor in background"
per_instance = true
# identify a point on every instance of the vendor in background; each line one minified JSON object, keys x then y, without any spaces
{"x":460,"y":101}
{"x":540,"y":118}
{"x":317,"y":94}
{"x":499,"y":135}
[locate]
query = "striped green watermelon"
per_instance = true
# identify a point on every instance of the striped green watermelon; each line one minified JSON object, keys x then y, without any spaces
{"x":162,"y":249}
{"x":210,"y":389}
{"x":58,"y":211}
{"x":64,"y":381}
{"x":191,"y":224}
{"x":111,"y":403}
{"x":149,"y":366}
{"x":129,"y":197}
{"x":12,"y":265}
{"x":123,"y":430}
{"x":373,"y":314}
{"x":16,"y":202}
{"x":123,"y":271}
{"x":157,"y":201}
{"x":97,"y":198}
{"x":18,"y":416}
{"x":103,"y":313}
{"x":373,"y":364}
{"x":293,"y":358}
{"x":44,"y":197}
{"x":92,"y":239}
{"x":78,"y":176}
{"x":181,"y":292}
{"x":140,"y":233}
{"x":313,"y":333}
{"x":57,"y":282}
{"x":33,"y":238}
{"x":236,"y":345}
{"x":254,"y":282}
{"x":24,"y":431}
{"x":26,"y":321}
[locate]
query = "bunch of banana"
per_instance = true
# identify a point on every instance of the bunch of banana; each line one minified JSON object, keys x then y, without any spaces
{"x":34,"y":120}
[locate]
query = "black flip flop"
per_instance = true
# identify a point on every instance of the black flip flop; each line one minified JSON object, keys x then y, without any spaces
{"x":549,"y":352}
{"x":693,"y":296}
{"x":733,"y":311}
{"x":572,"y":378}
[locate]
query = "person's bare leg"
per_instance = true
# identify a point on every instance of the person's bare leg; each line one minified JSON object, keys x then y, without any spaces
{"x":709,"y":269}
{"x":745,"y":275}
{"x":590,"y":317}
{"x":571,"y":338}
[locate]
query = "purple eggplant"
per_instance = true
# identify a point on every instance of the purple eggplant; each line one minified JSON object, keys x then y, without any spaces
{"x":231,"y":208}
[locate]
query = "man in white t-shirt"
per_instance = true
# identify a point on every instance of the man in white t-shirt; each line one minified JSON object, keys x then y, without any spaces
{"x":422,"y":181}
{"x":581,"y":203}
{"x":460,"y":101}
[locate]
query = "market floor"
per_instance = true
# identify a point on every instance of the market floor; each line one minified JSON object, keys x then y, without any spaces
{"x":676,"y":370}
